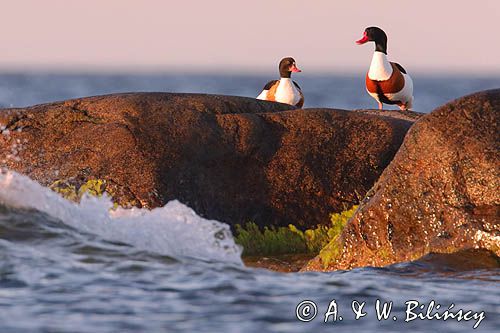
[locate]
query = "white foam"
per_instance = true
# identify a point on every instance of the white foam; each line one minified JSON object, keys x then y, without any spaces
{"x":173,"y":230}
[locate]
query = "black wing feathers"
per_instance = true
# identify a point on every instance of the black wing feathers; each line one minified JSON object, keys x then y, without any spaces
{"x":401,"y":69}
{"x":270,"y":84}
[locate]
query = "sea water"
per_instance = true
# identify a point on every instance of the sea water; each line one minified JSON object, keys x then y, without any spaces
{"x":332,"y":91}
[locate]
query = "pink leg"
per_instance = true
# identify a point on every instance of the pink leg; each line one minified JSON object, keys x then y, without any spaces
{"x":380,"y":105}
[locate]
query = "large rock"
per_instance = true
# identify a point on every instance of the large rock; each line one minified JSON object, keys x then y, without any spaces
{"x":440,"y":194}
{"x":230,"y":158}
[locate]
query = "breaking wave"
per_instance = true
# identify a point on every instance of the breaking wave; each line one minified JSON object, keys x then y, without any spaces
{"x":173,"y":230}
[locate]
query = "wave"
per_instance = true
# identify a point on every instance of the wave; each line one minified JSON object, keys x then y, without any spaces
{"x":173,"y":230}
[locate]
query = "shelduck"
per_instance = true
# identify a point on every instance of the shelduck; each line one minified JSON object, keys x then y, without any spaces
{"x":284,"y":90}
{"x":387,"y":82}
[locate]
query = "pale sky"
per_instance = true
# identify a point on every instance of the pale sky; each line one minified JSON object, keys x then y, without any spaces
{"x":427,"y":36}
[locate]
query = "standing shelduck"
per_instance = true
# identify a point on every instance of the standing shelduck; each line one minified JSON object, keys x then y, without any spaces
{"x":284,"y":90}
{"x":386,"y":81}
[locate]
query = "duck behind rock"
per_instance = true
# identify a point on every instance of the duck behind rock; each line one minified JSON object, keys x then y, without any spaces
{"x":284,"y":90}
{"x":387,"y":82}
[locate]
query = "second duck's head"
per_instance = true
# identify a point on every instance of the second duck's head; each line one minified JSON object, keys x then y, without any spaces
{"x":287,"y":66}
{"x":377,"y":35}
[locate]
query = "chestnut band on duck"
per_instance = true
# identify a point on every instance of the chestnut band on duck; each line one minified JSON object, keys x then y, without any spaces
{"x":387,"y":82}
{"x":284,"y":90}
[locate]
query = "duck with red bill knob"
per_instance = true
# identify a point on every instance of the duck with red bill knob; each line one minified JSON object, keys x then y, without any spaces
{"x":284,"y":90}
{"x":387,"y":82}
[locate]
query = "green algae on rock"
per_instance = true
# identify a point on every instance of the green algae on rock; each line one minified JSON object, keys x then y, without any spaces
{"x":291,"y":240}
{"x":74,"y":190}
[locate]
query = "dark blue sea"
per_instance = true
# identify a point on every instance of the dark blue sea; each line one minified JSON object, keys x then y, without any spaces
{"x":333,"y":91}
{"x":68,"y":267}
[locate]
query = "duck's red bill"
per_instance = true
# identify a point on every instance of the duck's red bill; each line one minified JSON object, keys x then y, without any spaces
{"x":363,"y":40}
{"x":295,"y":69}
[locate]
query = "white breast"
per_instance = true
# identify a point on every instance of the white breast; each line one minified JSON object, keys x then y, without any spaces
{"x":287,"y":92}
{"x":380,"y":68}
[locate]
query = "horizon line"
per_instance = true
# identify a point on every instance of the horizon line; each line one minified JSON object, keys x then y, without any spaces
{"x":259,"y":71}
